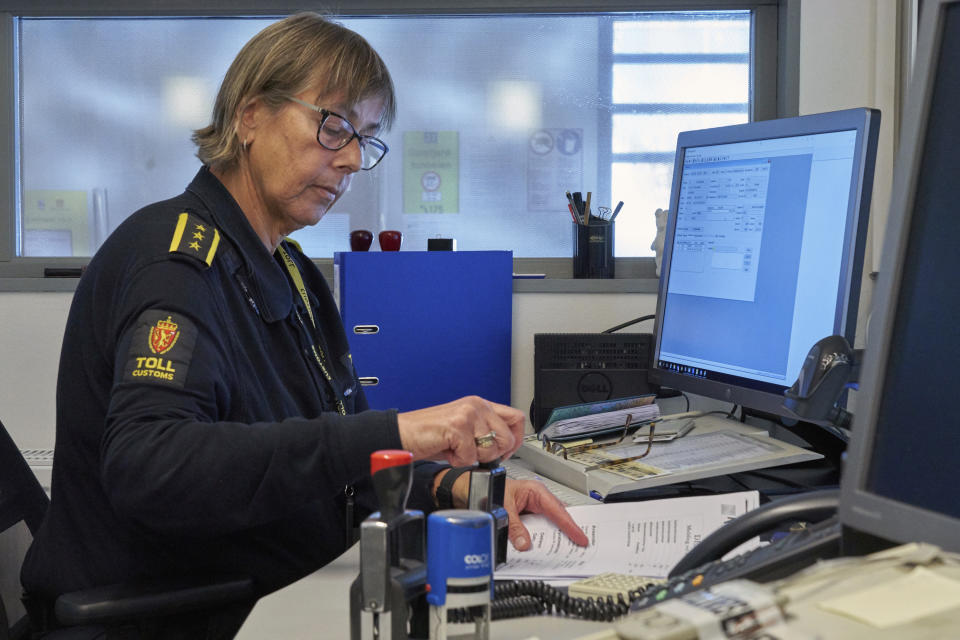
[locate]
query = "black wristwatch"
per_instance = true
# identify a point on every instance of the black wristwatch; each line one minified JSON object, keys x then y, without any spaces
{"x":444,"y":496}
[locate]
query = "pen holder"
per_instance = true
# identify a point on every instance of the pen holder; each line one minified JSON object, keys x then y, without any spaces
{"x":593,"y":250}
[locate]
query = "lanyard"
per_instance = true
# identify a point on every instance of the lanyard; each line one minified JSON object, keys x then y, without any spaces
{"x":318,"y":354}
{"x":297,"y":281}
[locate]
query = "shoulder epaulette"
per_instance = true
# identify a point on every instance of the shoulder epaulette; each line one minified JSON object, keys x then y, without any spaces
{"x":194,"y":237}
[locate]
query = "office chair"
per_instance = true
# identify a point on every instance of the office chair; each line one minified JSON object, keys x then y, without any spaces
{"x":23,"y":504}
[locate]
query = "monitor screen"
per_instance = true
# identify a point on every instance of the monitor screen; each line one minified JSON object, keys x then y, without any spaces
{"x":901,"y":482}
{"x":763,"y":252}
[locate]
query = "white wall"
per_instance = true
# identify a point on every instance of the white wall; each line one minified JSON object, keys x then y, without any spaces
{"x":31,"y":332}
{"x":847,"y":59}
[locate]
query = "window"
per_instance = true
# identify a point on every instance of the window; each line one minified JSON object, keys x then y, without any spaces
{"x":499,"y":115}
{"x":670,"y":72}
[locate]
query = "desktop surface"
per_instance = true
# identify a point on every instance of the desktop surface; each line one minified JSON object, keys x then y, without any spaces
{"x":318,"y":606}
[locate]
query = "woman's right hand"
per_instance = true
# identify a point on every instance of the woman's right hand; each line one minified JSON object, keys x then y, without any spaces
{"x":449,"y":431}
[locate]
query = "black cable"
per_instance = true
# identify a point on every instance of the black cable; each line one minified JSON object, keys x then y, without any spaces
{"x":839,"y":433}
{"x":740,"y":482}
{"x":519,"y":598}
{"x":839,"y":420}
{"x":627,"y":324}
{"x":775,"y":477}
{"x":726,"y":414}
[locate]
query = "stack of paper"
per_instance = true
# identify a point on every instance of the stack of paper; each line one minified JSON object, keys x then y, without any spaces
{"x":596,"y":419}
{"x":638,"y":538}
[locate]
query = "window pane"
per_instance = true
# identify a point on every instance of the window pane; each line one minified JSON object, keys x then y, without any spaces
{"x":671,"y":72}
{"x":721,"y":32}
{"x":498,"y":117}
{"x":657,"y":132}
{"x":686,"y":83}
{"x":108,"y":108}
{"x":644,"y":188}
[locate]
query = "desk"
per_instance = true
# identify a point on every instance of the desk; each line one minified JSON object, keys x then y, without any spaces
{"x":318,"y":607}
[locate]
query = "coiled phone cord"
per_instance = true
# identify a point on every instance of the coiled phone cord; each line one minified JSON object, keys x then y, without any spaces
{"x":519,"y":598}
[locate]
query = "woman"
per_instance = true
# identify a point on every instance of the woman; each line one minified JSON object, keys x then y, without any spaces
{"x":209,"y":417}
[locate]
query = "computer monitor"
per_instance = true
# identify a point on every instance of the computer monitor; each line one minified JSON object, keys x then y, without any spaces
{"x":763,"y":252}
{"x":901,"y":477}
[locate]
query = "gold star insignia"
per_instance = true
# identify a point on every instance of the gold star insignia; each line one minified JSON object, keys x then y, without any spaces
{"x":193,"y":237}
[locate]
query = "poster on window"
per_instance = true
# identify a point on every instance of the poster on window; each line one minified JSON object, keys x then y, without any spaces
{"x":431,"y":172}
{"x":55,"y":223}
{"x":554,"y":166}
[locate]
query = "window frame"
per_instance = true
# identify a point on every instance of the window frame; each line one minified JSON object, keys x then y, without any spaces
{"x":773,"y":93}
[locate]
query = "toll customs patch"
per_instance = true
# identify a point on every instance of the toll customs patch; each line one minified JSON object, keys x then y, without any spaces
{"x":160,"y":349}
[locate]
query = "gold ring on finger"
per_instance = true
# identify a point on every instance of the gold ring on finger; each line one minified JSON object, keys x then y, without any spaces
{"x":486,"y":441}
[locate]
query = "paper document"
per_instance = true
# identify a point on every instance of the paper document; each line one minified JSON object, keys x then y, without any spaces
{"x":911,"y":597}
{"x":692,"y":451}
{"x":639,"y":538}
{"x":518,"y":470}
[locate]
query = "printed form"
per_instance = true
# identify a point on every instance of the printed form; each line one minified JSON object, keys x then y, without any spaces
{"x":638,"y":538}
{"x":716,"y":248}
{"x":723,"y":447}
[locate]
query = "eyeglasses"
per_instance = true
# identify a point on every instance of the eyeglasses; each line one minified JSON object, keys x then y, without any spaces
{"x":615,"y":462}
{"x":609,"y":445}
{"x":336,"y":132}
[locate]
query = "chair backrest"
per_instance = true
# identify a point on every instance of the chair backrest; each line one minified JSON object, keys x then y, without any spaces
{"x":23,"y":503}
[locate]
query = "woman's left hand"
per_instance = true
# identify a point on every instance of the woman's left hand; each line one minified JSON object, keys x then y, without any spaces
{"x":530,"y":496}
{"x":522,"y":496}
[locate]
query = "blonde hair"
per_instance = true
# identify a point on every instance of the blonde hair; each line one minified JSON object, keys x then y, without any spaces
{"x":284,"y":59}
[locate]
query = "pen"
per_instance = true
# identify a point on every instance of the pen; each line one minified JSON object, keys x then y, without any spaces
{"x":573,"y":208}
{"x":586,"y":209}
{"x":616,"y":211}
{"x":578,"y":204}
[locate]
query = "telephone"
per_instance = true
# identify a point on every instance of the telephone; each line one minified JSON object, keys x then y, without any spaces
{"x":699,"y":569}
{"x":702,"y":566}
{"x":811,"y":507}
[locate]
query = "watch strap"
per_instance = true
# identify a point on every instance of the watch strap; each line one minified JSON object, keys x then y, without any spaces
{"x":444,"y":494}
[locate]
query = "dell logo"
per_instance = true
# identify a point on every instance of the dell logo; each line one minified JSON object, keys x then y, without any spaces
{"x":594,"y":386}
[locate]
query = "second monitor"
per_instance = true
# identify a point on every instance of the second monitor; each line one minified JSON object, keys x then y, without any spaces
{"x":763,"y":252}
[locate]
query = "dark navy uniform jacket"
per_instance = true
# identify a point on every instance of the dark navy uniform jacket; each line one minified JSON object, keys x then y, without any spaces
{"x":196,"y":430}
